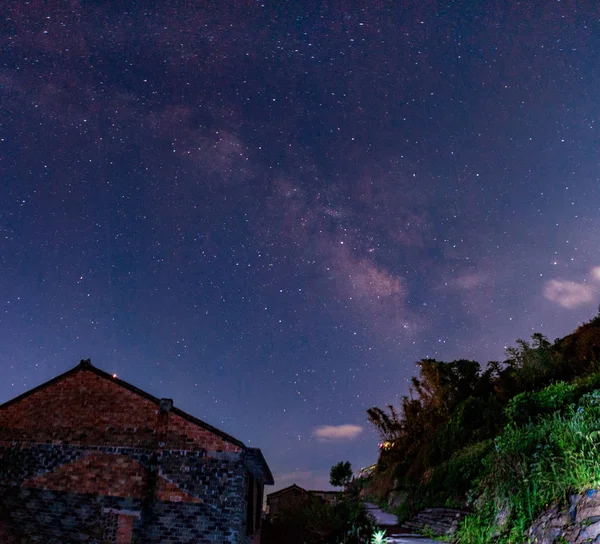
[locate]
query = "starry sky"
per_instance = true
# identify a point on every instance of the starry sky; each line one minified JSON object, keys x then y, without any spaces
{"x":268,"y":211}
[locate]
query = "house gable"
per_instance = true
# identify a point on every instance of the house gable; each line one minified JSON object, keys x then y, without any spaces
{"x":291,"y":490}
{"x":87,"y":457}
{"x":86,"y":406}
{"x":288,"y":497}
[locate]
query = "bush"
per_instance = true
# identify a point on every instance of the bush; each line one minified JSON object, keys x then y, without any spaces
{"x":538,"y":464}
{"x":345,"y":522}
{"x":448,"y":484}
{"x":473,"y":420}
{"x":527,"y":406}
{"x":530,"y":405}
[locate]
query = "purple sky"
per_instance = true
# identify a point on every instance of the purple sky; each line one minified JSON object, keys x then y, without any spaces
{"x":270,"y":211}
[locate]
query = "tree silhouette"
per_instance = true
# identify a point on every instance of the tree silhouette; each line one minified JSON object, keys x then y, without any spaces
{"x":341,"y":474}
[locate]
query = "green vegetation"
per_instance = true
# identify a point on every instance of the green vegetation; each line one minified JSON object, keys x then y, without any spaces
{"x":539,"y":463}
{"x":340,"y":474}
{"x":506,"y":441}
{"x":378,"y":538}
{"x":315,"y":522}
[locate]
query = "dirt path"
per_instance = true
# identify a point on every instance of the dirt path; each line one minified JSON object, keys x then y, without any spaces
{"x":389,"y":524}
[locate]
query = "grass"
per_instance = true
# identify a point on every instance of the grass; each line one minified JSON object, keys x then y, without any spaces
{"x":429,"y":533}
{"x":533,"y":466}
{"x":448,"y":483}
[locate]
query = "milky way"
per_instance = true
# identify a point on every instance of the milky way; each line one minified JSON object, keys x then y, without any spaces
{"x":270,"y":211}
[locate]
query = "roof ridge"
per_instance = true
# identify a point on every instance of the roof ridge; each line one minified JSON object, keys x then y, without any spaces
{"x":86,"y":364}
{"x":287,"y":488}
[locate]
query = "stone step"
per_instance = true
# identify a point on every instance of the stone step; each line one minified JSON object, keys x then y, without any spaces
{"x":442,"y":521}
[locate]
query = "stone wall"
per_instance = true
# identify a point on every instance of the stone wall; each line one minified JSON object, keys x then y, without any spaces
{"x":577,"y":523}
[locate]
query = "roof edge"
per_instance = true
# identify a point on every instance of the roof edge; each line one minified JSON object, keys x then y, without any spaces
{"x":287,"y":489}
{"x":258,"y":454}
{"x":52,"y":381}
{"x":86,"y":364}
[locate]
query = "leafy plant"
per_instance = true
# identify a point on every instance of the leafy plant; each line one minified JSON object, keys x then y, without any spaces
{"x":448,"y":483}
{"x":378,"y":538}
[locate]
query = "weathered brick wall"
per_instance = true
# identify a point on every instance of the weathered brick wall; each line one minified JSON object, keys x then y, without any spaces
{"x":221,"y":479}
{"x":82,"y":408}
{"x":58,"y":493}
{"x":85,"y":459}
{"x":38,"y":515}
{"x":19,"y":462}
{"x":182,"y":434}
{"x":86,"y":409}
{"x":189,"y":523}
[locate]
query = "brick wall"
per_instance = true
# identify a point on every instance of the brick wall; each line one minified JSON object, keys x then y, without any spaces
{"x":60,"y":494}
{"x":84,"y":459}
{"x":37,"y":515}
{"x":87,"y":409}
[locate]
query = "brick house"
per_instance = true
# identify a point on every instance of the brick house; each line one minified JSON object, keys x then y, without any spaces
{"x":294,"y":495}
{"x":288,"y":497}
{"x":87,"y":457}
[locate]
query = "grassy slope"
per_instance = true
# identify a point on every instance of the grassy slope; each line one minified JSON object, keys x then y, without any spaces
{"x":539,"y":463}
{"x":546,"y":446}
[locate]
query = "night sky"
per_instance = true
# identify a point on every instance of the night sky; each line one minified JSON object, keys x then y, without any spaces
{"x":269,"y":211}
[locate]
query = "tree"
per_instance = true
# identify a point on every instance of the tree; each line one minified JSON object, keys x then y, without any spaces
{"x":341,"y":474}
{"x":532,"y":362}
{"x":388,"y":425}
{"x":442,"y":386}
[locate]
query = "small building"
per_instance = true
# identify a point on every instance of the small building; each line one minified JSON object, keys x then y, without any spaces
{"x":293,"y":496}
{"x":329,"y":497}
{"x":87,"y":457}
{"x":288,"y":497}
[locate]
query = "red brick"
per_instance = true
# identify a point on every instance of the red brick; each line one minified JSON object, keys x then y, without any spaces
{"x":84,"y":408}
{"x":125,"y":529}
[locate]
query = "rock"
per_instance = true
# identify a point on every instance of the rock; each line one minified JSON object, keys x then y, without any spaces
{"x":588,"y":508}
{"x":441,"y":521}
{"x":577,"y":523}
{"x":396,"y":499}
{"x":573,"y":502}
{"x":593,"y":530}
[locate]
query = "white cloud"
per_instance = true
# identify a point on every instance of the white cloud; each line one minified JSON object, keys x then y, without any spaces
{"x":568,"y":294}
{"x":338,"y":432}
{"x":595,"y":273}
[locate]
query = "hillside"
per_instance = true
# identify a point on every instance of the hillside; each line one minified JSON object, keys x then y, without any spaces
{"x":505,"y":441}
